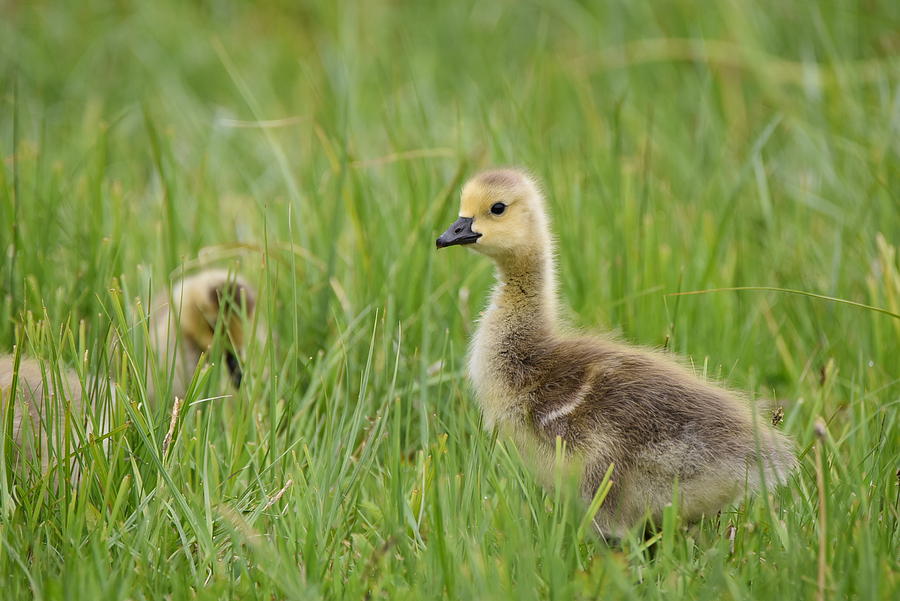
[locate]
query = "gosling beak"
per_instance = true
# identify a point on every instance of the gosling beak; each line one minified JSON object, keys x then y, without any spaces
{"x":234,"y":369}
{"x":458,"y":233}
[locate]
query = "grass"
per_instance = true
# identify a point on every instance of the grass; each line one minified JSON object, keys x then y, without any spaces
{"x":320,"y":150}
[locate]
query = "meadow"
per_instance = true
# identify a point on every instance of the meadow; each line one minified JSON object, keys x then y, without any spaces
{"x":319,"y":148}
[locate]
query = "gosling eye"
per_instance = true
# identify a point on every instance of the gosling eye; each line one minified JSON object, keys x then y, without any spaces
{"x":497,"y":208}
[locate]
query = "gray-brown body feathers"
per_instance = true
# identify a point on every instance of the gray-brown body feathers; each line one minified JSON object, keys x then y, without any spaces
{"x":614,"y":404}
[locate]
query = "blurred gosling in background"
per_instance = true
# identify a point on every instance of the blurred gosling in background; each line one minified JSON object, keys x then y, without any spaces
{"x":39,"y":408}
{"x":185,"y":319}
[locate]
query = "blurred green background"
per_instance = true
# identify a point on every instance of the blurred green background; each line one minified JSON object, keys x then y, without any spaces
{"x":319,"y":148}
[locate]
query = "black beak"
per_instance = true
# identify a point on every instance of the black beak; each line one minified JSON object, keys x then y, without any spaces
{"x":234,"y":369}
{"x":458,"y":233}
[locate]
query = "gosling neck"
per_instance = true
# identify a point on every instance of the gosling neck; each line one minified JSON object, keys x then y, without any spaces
{"x":526,"y":290}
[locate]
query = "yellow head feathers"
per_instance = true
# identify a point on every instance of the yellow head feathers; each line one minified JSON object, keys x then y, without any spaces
{"x":501,"y":215}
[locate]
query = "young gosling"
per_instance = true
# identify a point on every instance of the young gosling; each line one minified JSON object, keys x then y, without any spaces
{"x":34,"y":409}
{"x":609,"y":403}
{"x":184,"y":320}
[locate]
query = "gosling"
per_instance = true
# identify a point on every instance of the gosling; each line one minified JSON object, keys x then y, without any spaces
{"x":183,"y":322}
{"x":656,"y":423}
{"x":34,"y":409}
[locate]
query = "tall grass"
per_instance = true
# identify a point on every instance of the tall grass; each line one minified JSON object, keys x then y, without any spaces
{"x":319,"y":148}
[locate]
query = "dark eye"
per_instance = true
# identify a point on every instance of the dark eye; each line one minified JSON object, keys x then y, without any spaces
{"x":497,"y":208}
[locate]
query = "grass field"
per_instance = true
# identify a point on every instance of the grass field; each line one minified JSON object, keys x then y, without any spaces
{"x":320,"y":150}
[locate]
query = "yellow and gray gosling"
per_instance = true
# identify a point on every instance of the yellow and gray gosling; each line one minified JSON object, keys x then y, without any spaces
{"x":184,"y":320}
{"x":610,"y":403}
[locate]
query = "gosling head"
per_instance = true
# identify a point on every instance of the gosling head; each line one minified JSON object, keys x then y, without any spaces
{"x":211,"y":298}
{"x":501,"y":215}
